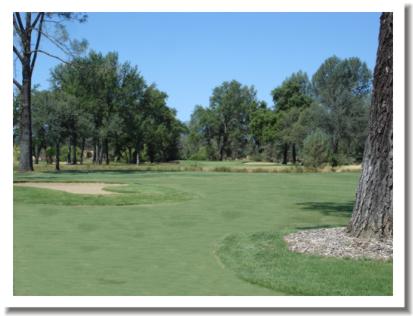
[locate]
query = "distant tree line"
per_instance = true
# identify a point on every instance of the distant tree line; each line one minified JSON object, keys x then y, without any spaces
{"x":105,"y":108}
{"x":100,"y":104}
{"x":312,"y":122}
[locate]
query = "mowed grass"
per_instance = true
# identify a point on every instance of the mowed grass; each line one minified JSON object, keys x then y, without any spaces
{"x":185,"y":233}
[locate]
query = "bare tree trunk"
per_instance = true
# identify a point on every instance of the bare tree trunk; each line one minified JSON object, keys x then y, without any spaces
{"x":373,"y":210}
{"x":82,"y":150}
{"x":130,"y":159}
{"x":95,"y":151}
{"x":107,"y":151}
{"x":37,"y":151}
{"x":137,"y":154}
{"x":294,"y":154}
{"x":69,"y":151}
{"x":100,"y":152}
{"x":26,"y":155}
{"x":74,"y":145}
{"x":58,"y":156}
{"x":285,"y":154}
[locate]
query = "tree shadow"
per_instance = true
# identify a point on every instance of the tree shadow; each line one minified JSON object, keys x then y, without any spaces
{"x":105,"y":171}
{"x":329,"y":208}
{"x":315,"y":227}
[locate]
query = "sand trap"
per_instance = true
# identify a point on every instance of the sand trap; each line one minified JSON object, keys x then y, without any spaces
{"x":260,"y":163}
{"x":77,"y":188}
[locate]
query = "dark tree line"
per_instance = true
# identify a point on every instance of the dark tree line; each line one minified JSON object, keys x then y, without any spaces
{"x":105,"y":107}
{"x":319,"y":121}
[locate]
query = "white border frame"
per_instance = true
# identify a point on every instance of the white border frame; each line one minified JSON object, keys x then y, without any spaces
{"x":6,"y":215}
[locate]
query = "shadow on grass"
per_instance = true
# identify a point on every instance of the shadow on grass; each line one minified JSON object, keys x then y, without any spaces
{"x":102,"y":171}
{"x":314,"y":227}
{"x":329,"y":208}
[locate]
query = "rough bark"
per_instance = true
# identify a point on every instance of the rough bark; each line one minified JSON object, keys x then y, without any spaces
{"x":26,"y":155}
{"x":373,"y":210}
{"x":294,"y":154}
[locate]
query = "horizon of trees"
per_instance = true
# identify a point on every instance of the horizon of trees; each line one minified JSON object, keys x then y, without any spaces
{"x":311,"y":122}
{"x":100,"y":106}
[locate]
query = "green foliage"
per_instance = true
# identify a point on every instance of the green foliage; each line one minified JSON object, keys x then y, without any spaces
{"x":201,"y":154}
{"x":294,"y":92}
{"x":113,"y":111}
{"x":316,"y":149}
{"x":343,"y":87}
{"x":223,"y":127}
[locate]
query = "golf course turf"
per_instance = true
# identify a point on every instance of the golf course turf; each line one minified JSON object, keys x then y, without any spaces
{"x":185,"y":233}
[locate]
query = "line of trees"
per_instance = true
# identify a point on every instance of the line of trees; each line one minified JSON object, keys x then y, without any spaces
{"x":98,"y":103}
{"x":319,"y":121}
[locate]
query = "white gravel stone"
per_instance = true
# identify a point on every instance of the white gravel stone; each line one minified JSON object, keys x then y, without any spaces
{"x":335,"y":242}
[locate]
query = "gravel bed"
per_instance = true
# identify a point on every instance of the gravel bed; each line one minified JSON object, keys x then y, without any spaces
{"x":335,"y":242}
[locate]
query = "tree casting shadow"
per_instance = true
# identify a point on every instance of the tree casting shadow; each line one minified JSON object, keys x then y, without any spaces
{"x":329,"y":208}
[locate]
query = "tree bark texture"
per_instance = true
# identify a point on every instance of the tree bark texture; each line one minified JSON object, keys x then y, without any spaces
{"x":373,"y":211}
{"x":57,"y":156}
{"x":26,"y":155}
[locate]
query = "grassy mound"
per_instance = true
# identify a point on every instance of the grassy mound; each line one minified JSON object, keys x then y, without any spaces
{"x":263,"y":259}
{"x":131,"y":194}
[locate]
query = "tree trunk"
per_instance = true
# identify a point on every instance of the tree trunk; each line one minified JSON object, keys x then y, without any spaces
{"x":100,"y":152}
{"x":74,"y":144}
{"x":82,"y":150}
{"x":37,"y":151}
{"x":334,"y":161}
{"x":58,"y":156}
{"x":294,"y":155}
{"x":285,"y":154}
{"x":130,"y":160}
{"x":26,"y":155}
{"x":69,"y":152}
{"x":373,"y":210}
{"x":107,"y":151}
{"x":94,"y":158}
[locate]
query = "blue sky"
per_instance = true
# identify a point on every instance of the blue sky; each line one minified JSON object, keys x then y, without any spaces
{"x":188,"y":54}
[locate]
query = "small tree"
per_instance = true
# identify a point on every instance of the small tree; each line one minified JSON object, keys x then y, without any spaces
{"x":316,"y":149}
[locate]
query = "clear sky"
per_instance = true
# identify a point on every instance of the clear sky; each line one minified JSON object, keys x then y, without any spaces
{"x":188,"y":54}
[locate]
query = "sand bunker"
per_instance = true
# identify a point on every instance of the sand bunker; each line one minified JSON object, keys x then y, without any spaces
{"x":260,"y":163}
{"x":77,"y":188}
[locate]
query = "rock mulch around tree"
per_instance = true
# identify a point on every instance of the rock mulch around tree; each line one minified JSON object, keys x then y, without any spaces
{"x":77,"y":188}
{"x":335,"y":242}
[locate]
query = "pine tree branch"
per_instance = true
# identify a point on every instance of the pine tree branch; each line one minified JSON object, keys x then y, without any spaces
{"x":18,"y":85}
{"x":50,"y":55}
{"x":15,"y":50}
{"x":39,"y":34}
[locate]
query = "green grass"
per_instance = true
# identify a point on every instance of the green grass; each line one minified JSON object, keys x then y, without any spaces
{"x":164,"y":235}
{"x":263,"y":258}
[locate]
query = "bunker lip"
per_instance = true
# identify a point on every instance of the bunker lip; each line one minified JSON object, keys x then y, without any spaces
{"x":94,"y":188}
